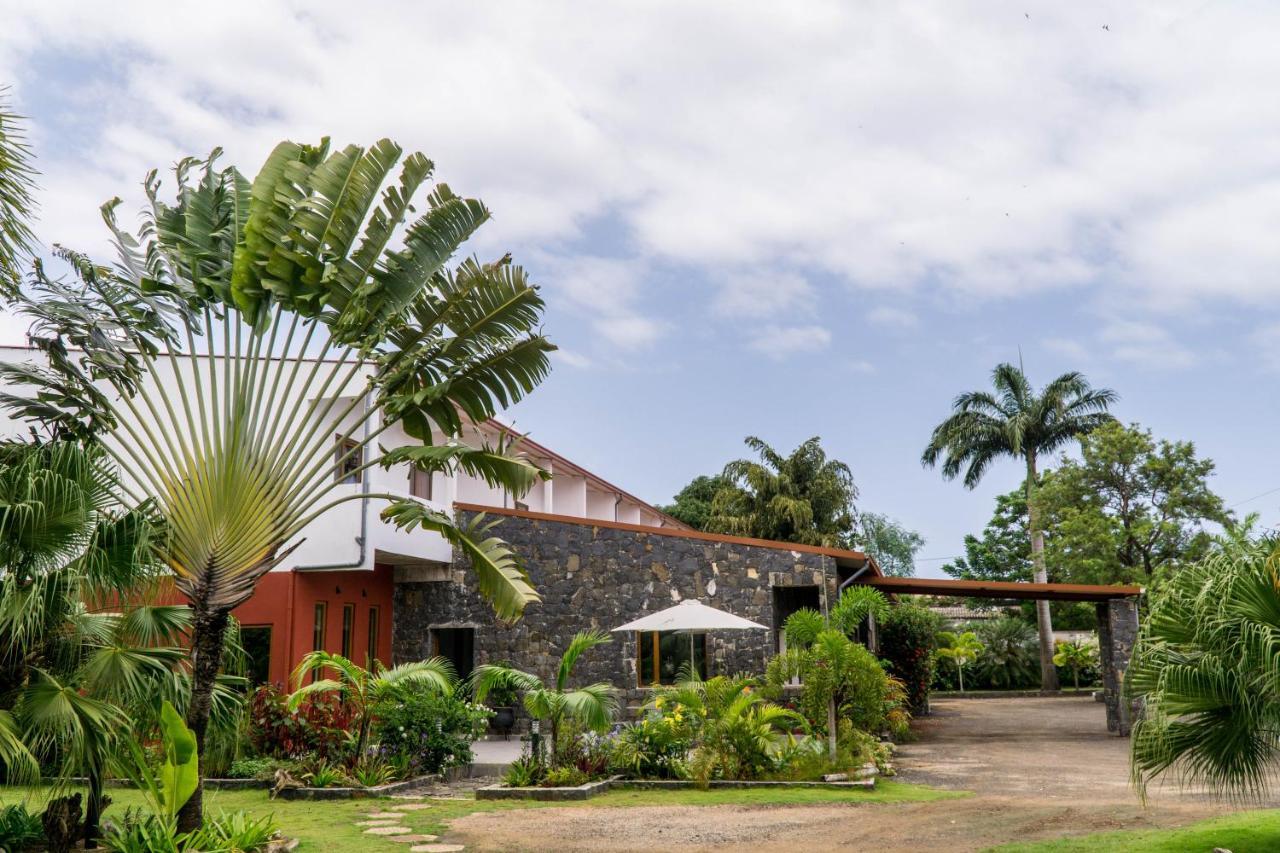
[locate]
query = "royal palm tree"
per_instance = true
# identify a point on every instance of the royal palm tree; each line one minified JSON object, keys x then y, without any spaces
{"x":1013,"y":420}
{"x":252,"y":344}
{"x":804,"y":497}
{"x":593,"y":706}
{"x":361,"y":688}
{"x":17,"y":199}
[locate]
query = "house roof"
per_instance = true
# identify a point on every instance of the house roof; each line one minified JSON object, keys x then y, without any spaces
{"x":856,"y":558}
{"x":1003,"y":589}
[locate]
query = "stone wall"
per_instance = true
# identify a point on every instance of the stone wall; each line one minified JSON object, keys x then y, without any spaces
{"x":1117,"y":633}
{"x":594,"y":576}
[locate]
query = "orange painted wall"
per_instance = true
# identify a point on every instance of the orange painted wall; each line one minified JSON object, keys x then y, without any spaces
{"x":286,"y":601}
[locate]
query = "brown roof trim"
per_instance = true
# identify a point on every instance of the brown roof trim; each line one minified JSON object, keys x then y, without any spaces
{"x":1003,"y":589}
{"x":686,"y":533}
{"x":533,"y":448}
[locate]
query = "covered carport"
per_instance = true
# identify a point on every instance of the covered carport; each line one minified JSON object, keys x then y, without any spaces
{"x":1117,"y":608}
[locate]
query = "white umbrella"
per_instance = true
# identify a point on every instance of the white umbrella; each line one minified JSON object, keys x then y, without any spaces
{"x":694,"y":617}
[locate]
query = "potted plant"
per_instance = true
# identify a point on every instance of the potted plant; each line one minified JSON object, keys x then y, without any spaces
{"x":502,"y":701}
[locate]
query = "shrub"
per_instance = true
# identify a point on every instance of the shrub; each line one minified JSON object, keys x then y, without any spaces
{"x":563,"y":777}
{"x":431,"y":731}
{"x":908,"y":639}
{"x":372,"y":771}
{"x":322,"y":774}
{"x":653,"y":748}
{"x":320,"y":727}
{"x":526,"y":771}
{"x":261,"y":768}
{"x":19,"y":828}
{"x":1010,"y":657}
{"x":233,"y":831}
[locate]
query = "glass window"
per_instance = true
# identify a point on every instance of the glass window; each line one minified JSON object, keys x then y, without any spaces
{"x":420,"y":483}
{"x":317,"y":630}
{"x":256,"y":640}
{"x":348,"y":628}
{"x":373,"y":638}
{"x":347,"y":458}
{"x":664,"y":653}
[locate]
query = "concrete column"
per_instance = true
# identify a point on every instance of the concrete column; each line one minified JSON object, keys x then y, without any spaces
{"x":1117,"y":632}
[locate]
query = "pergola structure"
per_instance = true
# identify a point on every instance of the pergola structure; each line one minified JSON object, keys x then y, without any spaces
{"x":1117,"y":621}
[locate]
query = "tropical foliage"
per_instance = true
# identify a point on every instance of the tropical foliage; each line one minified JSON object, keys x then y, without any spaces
{"x":1015,"y":421}
{"x":961,"y":649}
{"x":1003,"y":551}
{"x":592,"y":706}
{"x":692,"y":504}
{"x":908,"y":635}
{"x":893,"y":545}
{"x":1008,"y":657}
{"x":17,"y":199}
{"x":249,"y":323}
{"x":1205,"y":673}
{"x":1075,"y":657}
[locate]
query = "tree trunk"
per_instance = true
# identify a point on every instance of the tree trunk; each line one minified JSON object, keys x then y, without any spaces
{"x":93,"y":810}
{"x":1044,"y":622}
{"x":960,"y":674}
{"x":832,"y":728}
{"x":208,"y":631}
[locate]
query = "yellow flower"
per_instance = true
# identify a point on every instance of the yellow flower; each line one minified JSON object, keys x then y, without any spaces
{"x":657,"y":703}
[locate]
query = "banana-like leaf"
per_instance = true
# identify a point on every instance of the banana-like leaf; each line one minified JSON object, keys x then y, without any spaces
{"x":180,"y":773}
{"x":500,"y":467}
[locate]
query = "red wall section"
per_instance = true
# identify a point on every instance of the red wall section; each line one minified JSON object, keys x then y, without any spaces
{"x":286,"y":601}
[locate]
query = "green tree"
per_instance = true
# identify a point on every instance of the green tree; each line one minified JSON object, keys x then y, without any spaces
{"x":285,"y":312}
{"x":17,"y":199}
{"x":1075,"y":657}
{"x":1130,"y":509}
{"x":804,"y":497}
{"x":361,"y":688}
{"x":961,"y":649}
{"x":692,"y":504}
{"x":1207,"y":671}
{"x":1017,"y":422}
{"x":593,"y":706}
{"x":893,"y":545}
{"x":1003,"y":552}
{"x":1008,"y":657}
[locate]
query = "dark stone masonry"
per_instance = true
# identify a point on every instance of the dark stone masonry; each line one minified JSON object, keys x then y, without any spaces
{"x":595,"y":576}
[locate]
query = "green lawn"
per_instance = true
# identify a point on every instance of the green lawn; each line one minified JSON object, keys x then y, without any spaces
{"x":330,"y":825}
{"x":1245,"y":832}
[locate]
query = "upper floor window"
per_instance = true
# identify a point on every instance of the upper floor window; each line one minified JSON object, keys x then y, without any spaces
{"x":347,"y":459}
{"x":420,"y":483}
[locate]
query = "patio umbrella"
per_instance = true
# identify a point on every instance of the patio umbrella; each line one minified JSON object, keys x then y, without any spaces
{"x":693,"y":617}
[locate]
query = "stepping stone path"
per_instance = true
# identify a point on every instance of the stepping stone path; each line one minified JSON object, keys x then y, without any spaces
{"x":380,"y":821}
{"x":411,"y":807}
{"x":412,"y":839}
{"x":385,"y":815}
{"x":388,"y":830}
{"x":386,"y":823}
{"x":437,"y":848}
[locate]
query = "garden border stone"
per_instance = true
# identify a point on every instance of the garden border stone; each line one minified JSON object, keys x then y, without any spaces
{"x":356,"y":793}
{"x":595,"y":789}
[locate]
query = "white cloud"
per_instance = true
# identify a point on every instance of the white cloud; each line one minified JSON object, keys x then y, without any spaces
{"x":896,"y":318}
{"x":605,"y":291}
{"x":862,"y":366}
{"x":571,"y":358}
{"x":1146,"y":345}
{"x":779,"y":342}
{"x":902,"y":146}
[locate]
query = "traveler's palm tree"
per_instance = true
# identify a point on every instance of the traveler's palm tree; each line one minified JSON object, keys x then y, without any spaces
{"x":592,"y":706}
{"x":804,"y":497}
{"x":1014,"y":421}
{"x":961,"y":649}
{"x":361,"y":688}
{"x":253,"y":343}
{"x":77,"y":680}
{"x":1206,"y":669}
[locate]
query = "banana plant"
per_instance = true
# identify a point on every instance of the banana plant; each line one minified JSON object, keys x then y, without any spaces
{"x":248,"y":329}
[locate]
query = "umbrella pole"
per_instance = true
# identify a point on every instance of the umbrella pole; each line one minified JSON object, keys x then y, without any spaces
{"x":693,"y":665}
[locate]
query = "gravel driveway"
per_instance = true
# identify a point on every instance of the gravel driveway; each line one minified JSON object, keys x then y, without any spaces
{"x":1039,"y":768}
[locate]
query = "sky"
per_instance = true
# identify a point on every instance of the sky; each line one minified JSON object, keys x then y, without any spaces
{"x":769,"y":219}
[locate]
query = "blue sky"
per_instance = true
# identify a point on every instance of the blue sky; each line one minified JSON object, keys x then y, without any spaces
{"x":750,"y":218}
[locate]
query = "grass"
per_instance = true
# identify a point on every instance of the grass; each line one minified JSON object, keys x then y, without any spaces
{"x":1244,"y":832}
{"x":330,"y":825}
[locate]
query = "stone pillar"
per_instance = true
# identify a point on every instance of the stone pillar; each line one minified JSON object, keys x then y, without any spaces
{"x":1117,"y":632}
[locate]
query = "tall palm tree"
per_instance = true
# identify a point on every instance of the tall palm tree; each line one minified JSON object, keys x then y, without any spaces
{"x":804,"y":497}
{"x":253,"y":342}
{"x":593,"y":706}
{"x":1013,"y":420}
{"x":361,"y":687}
{"x":17,"y":198}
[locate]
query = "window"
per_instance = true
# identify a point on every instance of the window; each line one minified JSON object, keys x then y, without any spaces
{"x":348,"y":456}
{"x":256,"y":641}
{"x":663,"y":653}
{"x":317,"y":631}
{"x":348,"y":628}
{"x":373,"y":637}
{"x":420,"y":483}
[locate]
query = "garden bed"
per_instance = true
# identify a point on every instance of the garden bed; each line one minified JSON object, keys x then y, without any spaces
{"x":618,"y":783}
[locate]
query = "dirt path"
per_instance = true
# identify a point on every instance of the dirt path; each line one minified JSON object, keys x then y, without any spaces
{"x":1039,"y":768}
